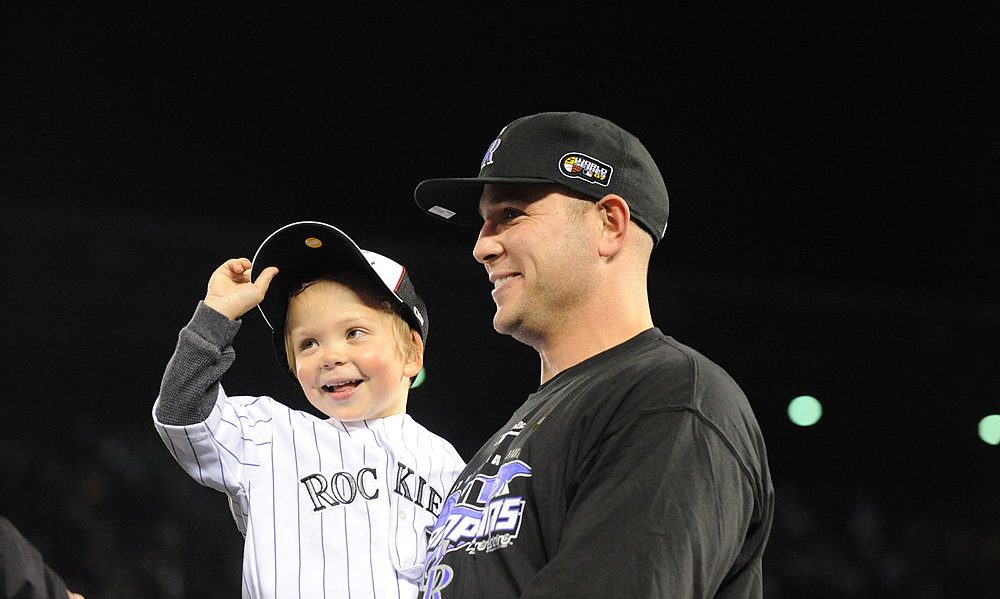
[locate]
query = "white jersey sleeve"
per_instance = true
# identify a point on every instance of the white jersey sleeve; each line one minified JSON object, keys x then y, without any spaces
{"x":225,"y":451}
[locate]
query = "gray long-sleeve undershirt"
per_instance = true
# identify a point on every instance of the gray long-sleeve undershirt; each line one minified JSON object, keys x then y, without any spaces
{"x":190,"y":383}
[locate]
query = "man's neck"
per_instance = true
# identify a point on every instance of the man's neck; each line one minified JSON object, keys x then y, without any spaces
{"x":576,"y":344}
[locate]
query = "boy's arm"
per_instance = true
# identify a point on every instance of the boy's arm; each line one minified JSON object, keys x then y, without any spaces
{"x":204,"y":350}
{"x":190,"y":382}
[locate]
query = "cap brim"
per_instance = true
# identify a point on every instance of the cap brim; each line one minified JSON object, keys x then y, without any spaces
{"x":303,"y":252}
{"x":457,"y":200}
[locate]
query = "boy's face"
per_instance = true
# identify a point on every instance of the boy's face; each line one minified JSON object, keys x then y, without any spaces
{"x":348,"y":358}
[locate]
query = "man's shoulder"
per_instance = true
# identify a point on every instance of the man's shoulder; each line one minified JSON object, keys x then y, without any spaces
{"x":670,"y":371}
{"x":656,"y":352}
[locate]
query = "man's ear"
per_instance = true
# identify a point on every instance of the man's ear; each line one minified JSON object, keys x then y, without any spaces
{"x":614,"y":213}
{"x":414,"y":355}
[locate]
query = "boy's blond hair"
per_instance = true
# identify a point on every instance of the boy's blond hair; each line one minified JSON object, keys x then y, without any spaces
{"x":373,"y":298}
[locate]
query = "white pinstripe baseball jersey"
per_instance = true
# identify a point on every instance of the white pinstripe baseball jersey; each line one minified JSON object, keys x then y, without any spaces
{"x":328,"y":508}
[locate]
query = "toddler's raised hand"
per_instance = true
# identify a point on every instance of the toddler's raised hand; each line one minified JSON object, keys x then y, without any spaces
{"x":230,"y":291}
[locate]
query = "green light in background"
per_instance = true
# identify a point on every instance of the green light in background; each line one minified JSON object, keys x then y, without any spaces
{"x":419,"y":380}
{"x":989,"y":429}
{"x":805,"y":410}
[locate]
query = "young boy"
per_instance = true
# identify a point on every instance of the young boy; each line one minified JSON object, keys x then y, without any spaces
{"x":331,"y":507}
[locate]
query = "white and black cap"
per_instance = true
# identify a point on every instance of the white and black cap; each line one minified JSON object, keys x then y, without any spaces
{"x":308,"y":250}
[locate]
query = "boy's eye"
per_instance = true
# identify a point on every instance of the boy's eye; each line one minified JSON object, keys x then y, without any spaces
{"x":355,"y":333}
{"x":306,"y":344}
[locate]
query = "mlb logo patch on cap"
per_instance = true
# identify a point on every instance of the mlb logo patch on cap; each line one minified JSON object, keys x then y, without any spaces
{"x":585,"y":168}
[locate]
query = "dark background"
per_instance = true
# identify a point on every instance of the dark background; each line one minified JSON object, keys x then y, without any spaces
{"x":834,"y":199}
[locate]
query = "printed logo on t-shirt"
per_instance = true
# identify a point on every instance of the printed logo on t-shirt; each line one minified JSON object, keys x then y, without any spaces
{"x":481,"y":516}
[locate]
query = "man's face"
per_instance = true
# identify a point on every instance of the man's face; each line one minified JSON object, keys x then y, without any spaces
{"x":538,"y":247}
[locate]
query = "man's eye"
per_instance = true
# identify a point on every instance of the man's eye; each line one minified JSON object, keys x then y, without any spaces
{"x":510,"y":213}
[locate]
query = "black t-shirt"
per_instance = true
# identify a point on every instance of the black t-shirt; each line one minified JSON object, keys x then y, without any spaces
{"x":23,"y":571}
{"x":640,"y":472}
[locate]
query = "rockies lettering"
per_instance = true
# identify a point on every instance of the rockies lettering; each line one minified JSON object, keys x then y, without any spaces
{"x":343,"y":487}
{"x":403,"y":473}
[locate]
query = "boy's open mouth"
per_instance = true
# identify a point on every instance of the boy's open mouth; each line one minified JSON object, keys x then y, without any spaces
{"x":342,"y":387}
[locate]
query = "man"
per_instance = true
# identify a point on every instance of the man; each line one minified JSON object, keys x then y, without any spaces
{"x":637,"y":469}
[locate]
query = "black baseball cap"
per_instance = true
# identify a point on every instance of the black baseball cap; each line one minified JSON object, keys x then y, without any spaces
{"x":308,"y":250}
{"x":587,"y":153}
